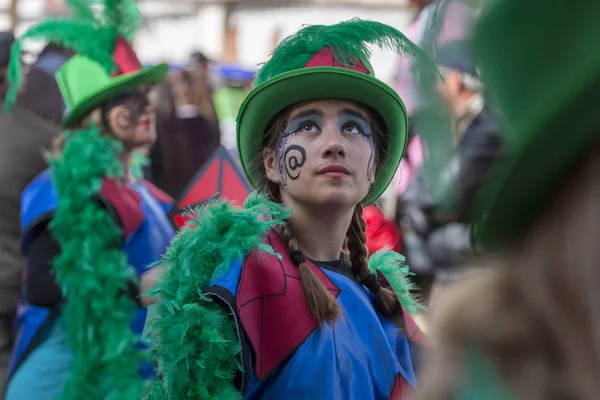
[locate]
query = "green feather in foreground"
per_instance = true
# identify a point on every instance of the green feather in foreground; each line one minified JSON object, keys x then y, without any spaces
{"x":92,"y":272}
{"x":391,"y":264}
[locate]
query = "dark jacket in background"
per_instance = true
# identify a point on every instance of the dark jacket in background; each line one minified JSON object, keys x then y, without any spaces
{"x":40,"y":94}
{"x":183,"y":145}
{"x":481,"y":144}
{"x":444,"y":234}
{"x":23,"y":138}
{"x":25,"y":133}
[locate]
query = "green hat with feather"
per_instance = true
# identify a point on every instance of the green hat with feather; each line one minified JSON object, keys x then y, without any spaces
{"x":329,"y":62}
{"x":100,"y":31}
{"x":547,"y":87}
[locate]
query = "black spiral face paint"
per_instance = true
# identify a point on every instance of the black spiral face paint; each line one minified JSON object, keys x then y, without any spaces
{"x":291,"y":159}
{"x":294,"y":158}
{"x":122,"y":113}
{"x":123,"y":118}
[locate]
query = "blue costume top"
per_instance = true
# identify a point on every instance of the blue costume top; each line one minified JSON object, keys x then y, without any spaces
{"x":286,"y":353}
{"x":141,"y":211}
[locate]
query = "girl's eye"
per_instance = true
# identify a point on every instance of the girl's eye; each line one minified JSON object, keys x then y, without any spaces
{"x":351,"y":128}
{"x":308,"y":127}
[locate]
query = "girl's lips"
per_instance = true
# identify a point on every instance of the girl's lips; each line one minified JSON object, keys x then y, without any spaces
{"x":335,"y":168}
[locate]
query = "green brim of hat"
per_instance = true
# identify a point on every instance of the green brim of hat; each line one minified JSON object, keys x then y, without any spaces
{"x":268,"y":99}
{"x":118,"y":85}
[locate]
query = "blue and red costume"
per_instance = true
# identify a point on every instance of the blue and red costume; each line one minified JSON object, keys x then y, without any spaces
{"x":139,"y":208}
{"x":286,"y":354}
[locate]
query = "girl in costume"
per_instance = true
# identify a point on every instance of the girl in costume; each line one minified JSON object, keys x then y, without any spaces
{"x":89,"y":232}
{"x":280,"y":299}
{"x":532,"y":329}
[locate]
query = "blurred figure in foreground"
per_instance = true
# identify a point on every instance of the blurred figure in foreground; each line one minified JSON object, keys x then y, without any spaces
{"x":528,"y":326}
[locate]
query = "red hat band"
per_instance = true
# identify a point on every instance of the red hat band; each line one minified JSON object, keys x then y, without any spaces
{"x":325,"y":58}
{"x":125,"y":58}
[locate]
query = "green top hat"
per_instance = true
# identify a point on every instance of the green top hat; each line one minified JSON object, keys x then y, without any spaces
{"x":85,"y":85}
{"x":95,"y":29}
{"x":328,"y":62}
{"x":542,"y":68}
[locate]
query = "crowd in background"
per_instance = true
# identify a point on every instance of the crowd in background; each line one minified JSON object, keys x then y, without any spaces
{"x":427,"y":221}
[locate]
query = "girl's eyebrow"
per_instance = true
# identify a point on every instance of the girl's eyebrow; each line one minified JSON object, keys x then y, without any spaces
{"x":356,"y":114}
{"x":306,"y":113}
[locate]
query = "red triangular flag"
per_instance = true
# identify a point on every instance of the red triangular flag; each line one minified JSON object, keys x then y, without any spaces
{"x":218,"y":177}
{"x":233,"y":188}
{"x":204,"y":185}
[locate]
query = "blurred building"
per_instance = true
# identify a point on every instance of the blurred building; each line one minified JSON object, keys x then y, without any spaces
{"x":241,"y":32}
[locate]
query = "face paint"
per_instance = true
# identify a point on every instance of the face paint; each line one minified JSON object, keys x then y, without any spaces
{"x":291,"y":159}
{"x":371,"y":165}
{"x":309,"y":121}
{"x":352,"y":122}
{"x":295,"y":157}
{"x":122,"y":113}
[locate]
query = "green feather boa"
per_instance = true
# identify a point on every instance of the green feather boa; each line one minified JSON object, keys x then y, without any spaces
{"x":92,"y":272}
{"x":194,"y":340}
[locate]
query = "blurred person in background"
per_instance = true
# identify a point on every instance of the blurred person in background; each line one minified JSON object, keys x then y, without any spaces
{"x":439,"y":216}
{"x":477,"y":143}
{"x":186,"y":125}
{"x":528,"y":325}
{"x":40,"y":80}
{"x":78,"y":226}
{"x":132,"y":231}
{"x":233,"y":83}
{"x":25,"y":132}
{"x":451,"y":20}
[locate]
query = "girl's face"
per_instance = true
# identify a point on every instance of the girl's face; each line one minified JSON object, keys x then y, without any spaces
{"x":130,"y":117}
{"x":325,"y":157}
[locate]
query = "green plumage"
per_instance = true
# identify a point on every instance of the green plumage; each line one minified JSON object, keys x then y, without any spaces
{"x":137,"y":162}
{"x":392,"y":265}
{"x":92,"y":272}
{"x":122,"y":15}
{"x":194,"y":340}
{"x":348,"y":40}
{"x":91,"y":31}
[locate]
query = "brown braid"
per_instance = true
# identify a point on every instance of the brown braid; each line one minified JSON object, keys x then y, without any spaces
{"x":386,"y":299}
{"x":321,"y":303}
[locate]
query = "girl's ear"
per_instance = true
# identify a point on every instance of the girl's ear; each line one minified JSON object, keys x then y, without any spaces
{"x":270,"y":164}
